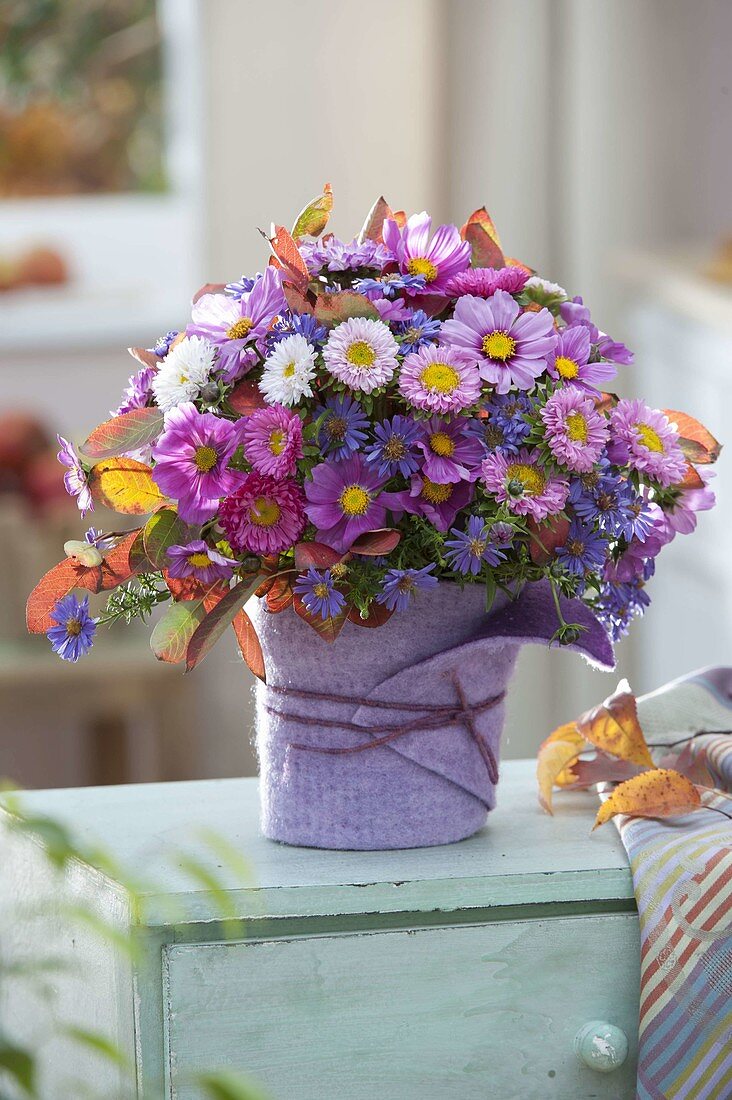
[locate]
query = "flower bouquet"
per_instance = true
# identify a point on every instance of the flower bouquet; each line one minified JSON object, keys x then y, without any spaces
{"x":403,"y":443}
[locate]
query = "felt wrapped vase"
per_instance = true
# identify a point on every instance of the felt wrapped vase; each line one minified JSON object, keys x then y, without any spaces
{"x":390,"y":737}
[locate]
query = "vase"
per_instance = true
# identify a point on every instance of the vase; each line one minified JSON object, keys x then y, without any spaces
{"x":390,"y":737}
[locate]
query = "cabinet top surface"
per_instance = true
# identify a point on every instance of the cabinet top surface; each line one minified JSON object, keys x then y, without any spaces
{"x":521,"y":855}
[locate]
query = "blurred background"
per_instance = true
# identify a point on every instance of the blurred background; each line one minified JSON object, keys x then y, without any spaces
{"x":141,"y":144}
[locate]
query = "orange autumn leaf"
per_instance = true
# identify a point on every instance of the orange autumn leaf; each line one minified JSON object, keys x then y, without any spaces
{"x":657,"y":793}
{"x":556,"y":753}
{"x":614,"y":727}
{"x":697,"y":442}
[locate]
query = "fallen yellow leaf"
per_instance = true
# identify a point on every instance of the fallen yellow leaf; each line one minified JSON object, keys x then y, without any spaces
{"x":614,"y":727}
{"x":560,"y":749}
{"x":657,"y":793}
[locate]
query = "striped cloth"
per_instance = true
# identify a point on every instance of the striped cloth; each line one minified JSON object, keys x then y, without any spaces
{"x":682,"y":876}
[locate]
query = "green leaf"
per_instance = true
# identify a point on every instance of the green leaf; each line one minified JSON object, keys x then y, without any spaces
{"x":127,"y":432}
{"x":21,"y":1066}
{"x":313,"y":218}
{"x":164,"y":529}
{"x":219,"y":618}
{"x":174,"y":630}
{"x":229,"y":1086}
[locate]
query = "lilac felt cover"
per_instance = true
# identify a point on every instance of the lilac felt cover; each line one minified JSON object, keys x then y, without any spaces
{"x":429,"y":786}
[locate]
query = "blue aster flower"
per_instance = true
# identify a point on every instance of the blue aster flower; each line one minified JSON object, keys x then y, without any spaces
{"x":243,"y":286}
{"x":619,"y":603}
{"x":73,"y":634}
{"x":417,"y":331}
{"x":393,"y":448}
{"x":388,"y":285}
{"x":468,"y":549}
{"x":585,"y":550}
{"x":399,"y":585}
{"x":343,"y":428}
{"x":319,"y":594}
{"x":504,"y":428}
{"x":162,"y":344}
{"x":298,"y":324}
{"x":608,"y":502}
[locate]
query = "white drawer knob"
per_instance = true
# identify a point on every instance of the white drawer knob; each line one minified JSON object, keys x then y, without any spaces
{"x":601,"y":1046}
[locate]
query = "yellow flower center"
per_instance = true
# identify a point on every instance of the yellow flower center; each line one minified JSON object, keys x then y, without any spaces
{"x":73,"y":627}
{"x":499,"y":345}
{"x":199,"y":560}
{"x":440,"y":378}
{"x":277,"y":441}
{"x":566,"y":368}
{"x":289,"y":370}
{"x":354,"y":500}
{"x":321,"y":590}
{"x":649,"y":438}
{"x":441,"y":444}
{"x":182,"y":379}
{"x":477,"y":547}
{"x":361,"y":354}
{"x":240,"y":328}
{"x":435,"y":493}
{"x":338,"y":571}
{"x":420,"y":265}
{"x":265,"y":512}
{"x":532,"y":480}
{"x":204,"y":459}
{"x":577,"y":427}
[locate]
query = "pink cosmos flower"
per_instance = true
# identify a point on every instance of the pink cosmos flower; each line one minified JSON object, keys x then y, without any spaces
{"x":344,"y":500}
{"x":450,"y":453}
{"x":76,"y":481}
{"x":191,"y":461}
{"x":263,"y":516}
{"x":569,"y":360}
{"x":437,"y":502}
{"x":645,"y":439}
{"x":437,"y":259}
{"x":524,"y":485}
{"x":681,"y":517}
{"x":233,"y":323}
{"x":198,"y":559}
{"x":273,"y":440}
{"x":509,"y":347}
{"x":575,"y":431}
{"x":484,"y":281}
{"x":439,"y":380}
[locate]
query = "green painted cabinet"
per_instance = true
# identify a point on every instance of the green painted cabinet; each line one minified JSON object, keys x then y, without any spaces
{"x":467,"y":971}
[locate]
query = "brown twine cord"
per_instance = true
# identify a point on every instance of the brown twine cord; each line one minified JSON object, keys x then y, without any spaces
{"x":432,"y":717}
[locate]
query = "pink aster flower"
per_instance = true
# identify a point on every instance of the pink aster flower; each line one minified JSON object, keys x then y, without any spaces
{"x":450,"y":453}
{"x":198,"y":559}
{"x":569,"y":360}
{"x":273,"y":440}
{"x":524,"y":485}
{"x":361,"y":353}
{"x":645,"y":439}
{"x":484,"y":281}
{"x":344,"y":500}
{"x":233,"y":323}
{"x":681,"y":517}
{"x":263,"y":516}
{"x":439,"y":380}
{"x":437,"y":259}
{"x":575,"y":431}
{"x":437,"y":502}
{"x":509,"y":347}
{"x":191,"y":461}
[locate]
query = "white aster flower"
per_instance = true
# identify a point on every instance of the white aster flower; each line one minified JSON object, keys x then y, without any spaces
{"x":362,"y":353}
{"x":288,"y":371}
{"x":184,"y":372}
{"x":548,"y":288}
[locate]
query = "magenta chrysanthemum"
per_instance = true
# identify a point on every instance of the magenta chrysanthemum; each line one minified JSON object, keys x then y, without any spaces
{"x":509,"y":347}
{"x":436,"y":260}
{"x":647,"y":440}
{"x":439,"y":380}
{"x":361,"y":353}
{"x":523,"y":484}
{"x":344,"y":502}
{"x":273,"y":440}
{"x":575,"y":431}
{"x":484,"y":281}
{"x":569,"y":361}
{"x":263,"y":516}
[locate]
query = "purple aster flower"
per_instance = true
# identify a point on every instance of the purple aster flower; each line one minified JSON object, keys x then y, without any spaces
{"x":344,"y":500}
{"x":585,"y":550}
{"x":509,"y":347}
{"x":298,"y":324}
{"x":399,"y":585}
{"x":576,"y":314}
{"x":337,"y":255}
{"x":438,"y":503}
{"x":191,"y":461}
{"x":394,"y":447}
{"x":681,"y":515}
{"x":484,"y":281}
{"x":232,"y":323}
{"x":438,"y":379}
{"x":162,"y":344}
{"x":606,"y":499}
{"x":504,"y":427}
{"x":450,"y":453}
{"x":198,"y":559}
{"x":138,"y":393}
{"x":416,"y":331}
{"x":437,"y":259}
{"x":387,"y":286}
{"x":75,"y":478}
{"x":527,"y":489}
{"x":242,"y":286}
{"x":319,"y":593}
{"x":264,"y":515}
{"x":647,"y":441}
{"x":272,"y":440}
{"x":619,"y":603}
{"x":501,"y":534}
{"x":343,"y":426}
{"x":570,"y":360}
{"x":642,"y":517}
{"x":361,"y":353}
{"x":575,"y":431}
{"x":99,"y":539}
{"x":73,"y":635}
{"x":467,"y":550}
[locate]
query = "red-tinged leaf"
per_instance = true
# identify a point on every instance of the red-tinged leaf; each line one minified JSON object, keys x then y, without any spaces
{"x":431,"y":304}
{"x":547,"y":537}
{"x":331,"y":309}
{"x":328,"y":629}
{"x":601,"y":768}
{"x":208,"y":288}
{"x":400,"y":217}
{"x":377,"y":616}
{"x":144,"y":356}
{"x":117,"y":566}
{"x":288,"y":256}
{"x":280,"y":595}
{"x":124,"y":433}
{"x":53,"y":585}
{"x":372,"y":228}
{"x":692,"y":479}
{"x":175,"y":628}
{"x":374,"y":544}
{"x":164,"y":529}
{"x":480,"y":232}
{"x":560,"y":749}
{"x":313,"y":218}
{"x":189,"y":588}
{"x":218,"y":619}
{"x":697,"y":443}
{"x":658,"y":793}
{"x":691,"y":762}
{"x":246,"y":398}
{"x":613,"y":726}
{"x":605,"y":402}
{"x":296,"y":300}
{"x":125,"y":485}
{"x":315,"y":554}
{"x":249,"y":646}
